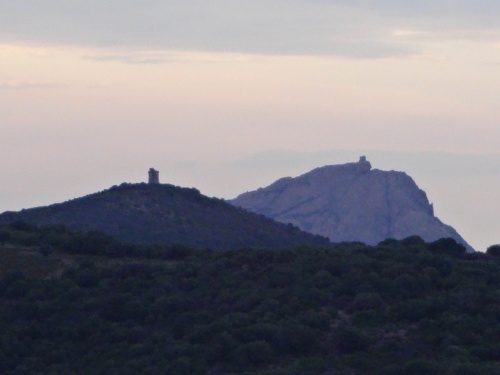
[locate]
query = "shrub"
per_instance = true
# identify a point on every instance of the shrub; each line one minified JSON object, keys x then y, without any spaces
{"x":493,"y":250}
{"x":255,"y":353}
{"x":349,"y":340}
{"x":4,"y":237}
{"x":367,"y":301}
{"x":447,"y":246}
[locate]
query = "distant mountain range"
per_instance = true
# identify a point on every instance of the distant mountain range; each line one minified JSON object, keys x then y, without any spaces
{"x":340,"y":203}
{"x":351,"y":202}
{"x":162,"y":213}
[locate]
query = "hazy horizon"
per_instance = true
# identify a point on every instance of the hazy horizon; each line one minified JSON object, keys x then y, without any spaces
{"x":229,"y":96}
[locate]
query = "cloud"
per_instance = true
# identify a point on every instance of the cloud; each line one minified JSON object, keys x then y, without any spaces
{"x":358,"y":29}
{"x":19,"y":85}
{"x":137,"y":56}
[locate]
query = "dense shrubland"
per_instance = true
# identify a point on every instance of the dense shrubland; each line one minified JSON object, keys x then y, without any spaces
{"x":402,"y":307}
{"x":167,"y":214}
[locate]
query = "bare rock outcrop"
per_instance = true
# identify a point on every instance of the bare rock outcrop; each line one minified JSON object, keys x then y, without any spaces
{"x":351,"y":202}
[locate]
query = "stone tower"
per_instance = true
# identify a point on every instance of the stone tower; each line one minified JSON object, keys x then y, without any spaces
{"x":154,"y":176}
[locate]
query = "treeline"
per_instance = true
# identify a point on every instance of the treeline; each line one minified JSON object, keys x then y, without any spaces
{"x":402,"y":307}
{"x":59,"y":238}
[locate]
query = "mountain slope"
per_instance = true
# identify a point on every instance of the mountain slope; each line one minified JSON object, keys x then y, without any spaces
{"x":141,"y":213}
{"x":351,"y":202}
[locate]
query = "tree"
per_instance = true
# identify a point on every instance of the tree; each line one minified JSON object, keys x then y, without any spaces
{"x":447,"y":246}
{"x":4,"y":237}
{"x":350,"y":339}
{"x":493,"y":250}
{"x":45,"y":249}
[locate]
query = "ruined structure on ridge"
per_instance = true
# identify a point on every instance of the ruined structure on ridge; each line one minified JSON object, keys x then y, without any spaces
{"x":154,"y":176}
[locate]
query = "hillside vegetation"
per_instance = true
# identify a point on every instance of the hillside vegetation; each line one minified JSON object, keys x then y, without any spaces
{"x":167,"y":214}
{"x":82,"y":303}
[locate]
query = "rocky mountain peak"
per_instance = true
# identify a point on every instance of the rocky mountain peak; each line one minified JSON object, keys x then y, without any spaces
{"x":351,"y":202}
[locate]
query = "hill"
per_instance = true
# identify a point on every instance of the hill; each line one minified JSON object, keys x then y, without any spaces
{"x":162,"y":213}
{"x":351,"y":202}
{"x":402,"y":307}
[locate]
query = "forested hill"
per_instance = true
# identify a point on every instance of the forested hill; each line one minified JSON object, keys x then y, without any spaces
{"x":80,"y":303}
{"x":141,"y":213}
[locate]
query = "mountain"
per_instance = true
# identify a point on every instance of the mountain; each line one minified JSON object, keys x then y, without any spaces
{"x":163,"y":213}
{"x":351,"y":202}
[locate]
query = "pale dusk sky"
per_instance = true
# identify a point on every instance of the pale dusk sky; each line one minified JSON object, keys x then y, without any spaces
{"x":228,"y":96}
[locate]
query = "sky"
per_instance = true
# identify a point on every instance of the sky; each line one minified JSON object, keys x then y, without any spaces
{"x":230,"y":95}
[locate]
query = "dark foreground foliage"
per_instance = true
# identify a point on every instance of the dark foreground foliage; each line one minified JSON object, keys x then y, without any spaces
{"x":403,"y":307}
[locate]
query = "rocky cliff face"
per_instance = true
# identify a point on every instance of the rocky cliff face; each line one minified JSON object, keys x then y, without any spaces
{"x":351,"y":202}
